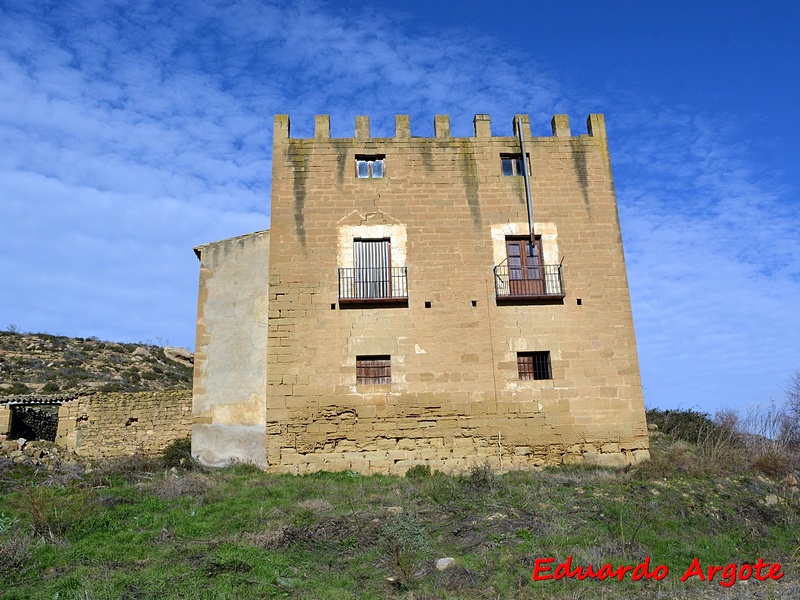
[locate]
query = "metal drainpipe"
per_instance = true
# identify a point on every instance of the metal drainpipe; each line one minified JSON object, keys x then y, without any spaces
{"x":527,"y":177}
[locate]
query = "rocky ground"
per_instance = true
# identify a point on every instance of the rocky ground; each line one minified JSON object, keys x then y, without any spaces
{"x":36,"y":453}
{"x":44,"y":364}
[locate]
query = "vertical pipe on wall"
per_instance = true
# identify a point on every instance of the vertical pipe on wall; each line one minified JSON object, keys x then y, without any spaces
{"x":527,"y":177}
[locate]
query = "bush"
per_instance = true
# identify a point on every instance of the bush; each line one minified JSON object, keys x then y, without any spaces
{"x":482,"y":479}
{"x":113,"y":387}
{"x":419,"y":472}
{"x":773,"y":463}
{"x":17,"y":389}
{"x":406,"y":541}
{"x":682,"y":424}
{"x":178,"y":454}
{"x":14,"y":552}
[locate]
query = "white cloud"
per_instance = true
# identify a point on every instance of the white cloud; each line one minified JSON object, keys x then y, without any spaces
{"x":713,"y":260}
{"x":134,"y":131}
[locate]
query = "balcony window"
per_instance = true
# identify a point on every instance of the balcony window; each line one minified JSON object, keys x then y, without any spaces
{"x":524,"y":275}
{"x":373,"y":278}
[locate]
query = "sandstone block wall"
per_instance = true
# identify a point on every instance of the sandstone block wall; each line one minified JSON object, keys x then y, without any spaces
{"x":5,"y":418}
{"x":455,"y":395}
{"x":119,"y":424}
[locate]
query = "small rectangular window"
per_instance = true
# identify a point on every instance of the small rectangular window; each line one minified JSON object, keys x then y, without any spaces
{"x":534,"y":365}
{"x":373,"y":370}
{"x":370,"y":166}
{"x":512,"y":164}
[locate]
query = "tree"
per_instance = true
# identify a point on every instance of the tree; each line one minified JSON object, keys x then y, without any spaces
{"x":793,"y":395}
{"x":792,"y":418}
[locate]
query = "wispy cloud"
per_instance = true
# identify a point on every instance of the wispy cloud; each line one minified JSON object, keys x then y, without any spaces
{"x":134,"y":131}
{"x":714,"y":261}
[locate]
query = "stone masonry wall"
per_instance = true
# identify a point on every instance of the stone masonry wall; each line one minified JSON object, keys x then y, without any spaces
{"x":5,"y":418}
{"x":455,"y":396}
{"x":119,"y":424}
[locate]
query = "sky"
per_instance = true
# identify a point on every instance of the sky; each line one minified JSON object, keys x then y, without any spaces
{"x":132,"y":131}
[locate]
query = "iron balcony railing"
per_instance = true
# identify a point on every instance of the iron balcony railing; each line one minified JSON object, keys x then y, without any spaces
{"x":541,"y":281}
{"x":373,"y":284}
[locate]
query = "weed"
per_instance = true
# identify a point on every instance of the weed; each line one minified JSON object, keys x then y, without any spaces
{"x":49,"y":511}
{"x":405,"y":540}
{"x":194,"y":485}
{"x":6,"y":523}
{"x":14,"y":552}
{"x":16,"y":389}
{"x":419,"y":472}
{"x":129,"y":468}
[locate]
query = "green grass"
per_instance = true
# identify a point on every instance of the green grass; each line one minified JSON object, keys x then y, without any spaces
{"x":135,"y":529}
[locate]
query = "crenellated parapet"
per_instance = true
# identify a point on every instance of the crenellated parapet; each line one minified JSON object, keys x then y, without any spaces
{"x":595,"y":126}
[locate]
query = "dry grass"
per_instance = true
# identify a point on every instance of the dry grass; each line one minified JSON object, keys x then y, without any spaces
{"x":171,"y":486}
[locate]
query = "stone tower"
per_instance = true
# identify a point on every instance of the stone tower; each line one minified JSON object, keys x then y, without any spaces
{"x":401,"y":311}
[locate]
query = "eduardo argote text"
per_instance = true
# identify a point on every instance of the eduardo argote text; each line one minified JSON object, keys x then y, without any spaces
{"x":725,"y":575}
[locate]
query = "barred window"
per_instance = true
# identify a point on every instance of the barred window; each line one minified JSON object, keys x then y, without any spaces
{"x":373,"y":370}
{"x":534,"y":365}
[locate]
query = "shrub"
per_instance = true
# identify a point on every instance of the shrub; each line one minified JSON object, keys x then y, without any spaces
{"x":406,"y":542}
{"x":17,"y":389}
{"x":687,"y":425}
{"x":419,"y":472}
{"x":179,"y":454}
{"x":481,"y":478}
{"x":113,"y":387}
{"x":773,"y":463}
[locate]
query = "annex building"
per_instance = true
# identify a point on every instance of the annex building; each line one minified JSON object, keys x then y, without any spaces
{"x":443,"y":301}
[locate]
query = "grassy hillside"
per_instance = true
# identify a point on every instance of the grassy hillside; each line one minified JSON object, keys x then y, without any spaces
{"x":139,"y":528}
{"x":40,"y":363}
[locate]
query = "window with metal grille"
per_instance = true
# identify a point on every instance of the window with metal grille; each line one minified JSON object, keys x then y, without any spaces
{"x":512,"y":164}
{"x":370,"y":166}
{"x":534,"y":365}
{"x":373,"y":370}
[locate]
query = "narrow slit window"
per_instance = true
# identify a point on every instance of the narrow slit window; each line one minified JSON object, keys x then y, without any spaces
{"x":370,"y":166}
{"x":373,"y":370}
{"x":534,"y":365}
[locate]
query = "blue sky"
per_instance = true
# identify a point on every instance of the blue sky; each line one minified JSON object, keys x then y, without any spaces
{"x":133,"y":131}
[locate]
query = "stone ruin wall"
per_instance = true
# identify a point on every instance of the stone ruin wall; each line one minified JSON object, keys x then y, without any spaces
{"x":120,"y":424}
